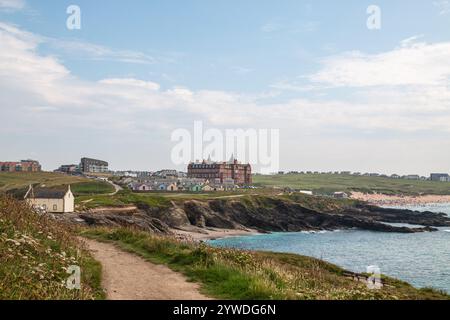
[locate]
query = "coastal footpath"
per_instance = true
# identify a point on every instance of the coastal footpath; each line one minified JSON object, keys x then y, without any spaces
{"x":35,"y":252}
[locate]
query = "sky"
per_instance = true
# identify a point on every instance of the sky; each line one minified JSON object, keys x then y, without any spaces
{"x":343,"y":96}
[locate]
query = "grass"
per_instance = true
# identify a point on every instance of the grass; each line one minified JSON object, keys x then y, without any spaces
{"x":123,"y":198}
{"x":17,"y":183}
{"x":17,"y":180}
{"x":234,"y":274}
{"x":162,"y":199}
{"x":329,"y":183}
{"x":91,"y":187}
{"x":35,"y":252}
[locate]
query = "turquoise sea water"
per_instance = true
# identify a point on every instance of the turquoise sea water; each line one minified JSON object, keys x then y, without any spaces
{"x":422,"y":259}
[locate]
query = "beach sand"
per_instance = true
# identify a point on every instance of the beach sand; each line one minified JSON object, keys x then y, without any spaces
{"x":398,"y":200}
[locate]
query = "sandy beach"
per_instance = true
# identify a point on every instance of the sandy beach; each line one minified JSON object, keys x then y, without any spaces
{"x":199,"y":234}
{"x":397,"y":200}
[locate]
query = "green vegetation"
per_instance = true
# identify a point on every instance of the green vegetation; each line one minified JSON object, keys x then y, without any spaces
{"x":235,"y":274}
{"x":329,"y":183}
{"x":91,"y":187}
{"x":35,"y":253}
{"x":16,"y":183}
{"x":255,"y":199}
{"x":123,"y":198}
{"x":153,"y":199}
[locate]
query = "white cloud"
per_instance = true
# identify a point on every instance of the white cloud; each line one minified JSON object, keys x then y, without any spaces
{"x":43,"y":84}
{"x":129,"y":82}
{"x":411,"y":64}
{"x":46,"y":100}
{"x":443,"y":6}
{"x":86,"y":50}
{"x":12,"y":4}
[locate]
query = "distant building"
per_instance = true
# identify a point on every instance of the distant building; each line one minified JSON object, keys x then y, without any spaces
{"x":22,"y":166}
{"x":442,"y":177}
{"x":166,"y":173}
{"x":395,"y":176}
{"x":141,"y":187}
{"x":48,"y":200}
{"x":69,"y":168}
{"x":88,"y":165}
{"x":207,"y":188}
{"x":196,"y":188}
{"x":241,"y":174}
{"x":172,"y":187}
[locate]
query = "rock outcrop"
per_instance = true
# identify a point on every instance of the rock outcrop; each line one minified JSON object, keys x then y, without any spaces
{"x":265,"y":214}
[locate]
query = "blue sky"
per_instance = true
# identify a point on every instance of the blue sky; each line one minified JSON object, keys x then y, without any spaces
{"x":250,"y":44}
{"x":341,"y":94}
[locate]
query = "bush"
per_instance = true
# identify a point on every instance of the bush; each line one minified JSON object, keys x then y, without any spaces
{"x":35,"y":253}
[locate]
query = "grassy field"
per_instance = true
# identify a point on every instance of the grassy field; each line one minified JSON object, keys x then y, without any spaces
{"x":155,"y":199}
{"x":18,"y":182}
{"x":329,"y":183}
{"x":164,"y":199}
{"x":35,"y":253}
{"x":235,"y":274}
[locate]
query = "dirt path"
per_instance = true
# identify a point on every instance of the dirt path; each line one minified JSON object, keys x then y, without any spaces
{"x":129,"y":277}
{"x":117,"y":188}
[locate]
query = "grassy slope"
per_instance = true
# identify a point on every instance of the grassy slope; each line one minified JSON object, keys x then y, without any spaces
{"x":17,"y":182}
{"x":155,"y":199}
{"x":164,"y":199}
{"x":234,"y":274}
{"x":328,"y":183}
{"x":34,"y":254}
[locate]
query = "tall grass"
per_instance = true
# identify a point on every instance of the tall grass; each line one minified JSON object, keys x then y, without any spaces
{"x":35,"y":252}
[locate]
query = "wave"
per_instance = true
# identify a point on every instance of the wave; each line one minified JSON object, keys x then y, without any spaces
{"x":314,"y":232}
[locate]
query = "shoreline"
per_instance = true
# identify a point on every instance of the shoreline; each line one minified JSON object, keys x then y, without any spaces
{"x":400,"y":200}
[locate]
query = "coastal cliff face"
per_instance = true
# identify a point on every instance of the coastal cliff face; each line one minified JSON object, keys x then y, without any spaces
{"x":266,"y":214}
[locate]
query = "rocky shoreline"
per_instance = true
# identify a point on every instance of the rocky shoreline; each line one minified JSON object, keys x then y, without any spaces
{"x":217,"y":218}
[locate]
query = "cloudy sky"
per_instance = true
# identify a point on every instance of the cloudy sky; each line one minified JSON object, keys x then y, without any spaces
{"x":344,"y":97}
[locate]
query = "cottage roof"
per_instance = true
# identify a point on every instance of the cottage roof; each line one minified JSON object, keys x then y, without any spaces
{"x":43,"y":193}
{"x":49,"y":194}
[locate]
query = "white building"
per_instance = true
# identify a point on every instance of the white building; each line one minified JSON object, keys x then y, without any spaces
{"x":54,"y":201}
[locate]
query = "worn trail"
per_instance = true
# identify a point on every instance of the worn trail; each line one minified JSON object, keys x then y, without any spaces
{"x":126,"y":276}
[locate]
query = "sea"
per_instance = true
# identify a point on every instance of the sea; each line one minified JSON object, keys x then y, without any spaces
{"x":422,"y":259}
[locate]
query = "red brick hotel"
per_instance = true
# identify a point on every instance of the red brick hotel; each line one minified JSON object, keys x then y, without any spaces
{"x":240,"y":173}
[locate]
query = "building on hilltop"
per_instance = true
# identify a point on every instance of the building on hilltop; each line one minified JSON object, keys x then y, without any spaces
{"x":49,"y":200}
{"x":241,"y":174}
{"x":88,"y":165}
{"x":68,"y":168}
{"x":22,"y":166}
{"x":442,"y":177}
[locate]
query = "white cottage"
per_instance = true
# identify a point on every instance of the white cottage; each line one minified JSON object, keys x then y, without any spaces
{"x":54,"y":201}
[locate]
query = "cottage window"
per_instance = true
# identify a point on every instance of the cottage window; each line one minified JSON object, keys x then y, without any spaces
{"x":55,"y":207}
